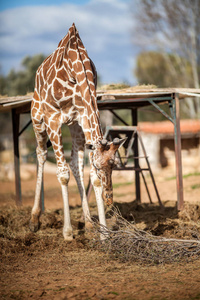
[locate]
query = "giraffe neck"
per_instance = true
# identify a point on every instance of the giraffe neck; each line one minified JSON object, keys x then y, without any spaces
{"x":92,"y":130}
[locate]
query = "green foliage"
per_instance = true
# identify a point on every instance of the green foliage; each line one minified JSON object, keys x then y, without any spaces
{"x":2,"y":85}
{"x":153,"y":68}
{"x":195,"y":186}
{"x":184,"y":176}
{"x":23,"y":81}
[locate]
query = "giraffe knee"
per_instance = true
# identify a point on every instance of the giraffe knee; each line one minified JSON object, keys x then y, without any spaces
{"x":63,"y":175}
{"x":64,"y":179}
{"x":95,"y":180}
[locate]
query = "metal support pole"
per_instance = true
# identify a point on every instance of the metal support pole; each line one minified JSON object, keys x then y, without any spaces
{"x":135,"y":149}
{"x":15,"y":128}
{"x":177,"y":142}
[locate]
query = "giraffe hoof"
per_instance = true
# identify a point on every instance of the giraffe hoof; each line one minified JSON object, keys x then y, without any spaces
{"x":68,"y":238}
{"x":68,"y":235}
{"x":34,"y":226}
{"x":103,"y":237}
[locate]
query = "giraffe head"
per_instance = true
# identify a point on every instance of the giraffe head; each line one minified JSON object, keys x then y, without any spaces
{"x":103,"y":158}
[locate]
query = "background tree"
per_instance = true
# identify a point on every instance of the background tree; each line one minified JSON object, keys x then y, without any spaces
{"x":153,"y":68}
{"x":2,"y":85}
{"x":23,"y":81}
{"x":172,"y":29}
{"x":19,"y":83}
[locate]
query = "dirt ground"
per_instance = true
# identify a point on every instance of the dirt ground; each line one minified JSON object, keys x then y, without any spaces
{"x":43,"y":266}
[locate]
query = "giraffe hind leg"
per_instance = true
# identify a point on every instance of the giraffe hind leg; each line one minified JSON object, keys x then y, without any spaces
{"x":41,"y":151}
{"x":63,"y":175}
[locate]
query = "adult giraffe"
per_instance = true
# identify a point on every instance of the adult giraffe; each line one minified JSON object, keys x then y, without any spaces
{"x":65,"y":93}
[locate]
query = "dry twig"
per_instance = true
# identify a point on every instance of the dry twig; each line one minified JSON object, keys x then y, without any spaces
{"x":128,"y":243}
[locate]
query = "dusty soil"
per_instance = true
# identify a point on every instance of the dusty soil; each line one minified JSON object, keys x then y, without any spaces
{"x":42,"y":266}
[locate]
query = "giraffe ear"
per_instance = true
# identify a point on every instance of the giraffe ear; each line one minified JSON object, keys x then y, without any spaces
{"x":89,"y":146}
{"x":117,"y":143}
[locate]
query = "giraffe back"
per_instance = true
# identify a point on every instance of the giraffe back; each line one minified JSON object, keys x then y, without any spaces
{"x":66,"y":80}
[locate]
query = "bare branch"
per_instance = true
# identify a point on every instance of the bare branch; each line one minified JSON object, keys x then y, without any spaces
{"x":128,"y":243}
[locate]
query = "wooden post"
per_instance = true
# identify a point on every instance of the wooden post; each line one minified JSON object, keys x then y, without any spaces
{"x":177,"y":143}
{"x":15,"y":128}
{"x":136,"y":152}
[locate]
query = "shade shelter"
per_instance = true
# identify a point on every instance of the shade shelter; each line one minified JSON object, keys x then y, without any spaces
{"x":113,"y":100}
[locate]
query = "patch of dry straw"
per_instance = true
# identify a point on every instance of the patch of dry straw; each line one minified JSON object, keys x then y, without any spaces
{"x":128,"y":243}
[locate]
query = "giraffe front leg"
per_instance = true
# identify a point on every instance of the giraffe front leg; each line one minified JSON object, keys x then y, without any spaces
{"x":36,"y":210}
{"x":63,"y":175}
{"x":100,"y":204}
{"x":77,"y":166}
{"x":41,"y":137}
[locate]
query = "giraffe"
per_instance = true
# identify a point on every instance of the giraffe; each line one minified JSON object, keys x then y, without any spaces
{"x":65,"y":93}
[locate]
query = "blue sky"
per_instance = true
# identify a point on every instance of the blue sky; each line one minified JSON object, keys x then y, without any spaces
{"x":7,"y":4}
{"x":30,"y":27}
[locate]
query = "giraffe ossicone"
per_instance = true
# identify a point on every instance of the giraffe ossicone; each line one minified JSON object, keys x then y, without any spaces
{"x":65,"y":93}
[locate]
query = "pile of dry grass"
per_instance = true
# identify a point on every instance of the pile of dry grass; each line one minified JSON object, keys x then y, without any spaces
{"x":15,"y":235}
{"x":125,"y":241}
{"x":125,"y":87}
{"x":128,"y":243}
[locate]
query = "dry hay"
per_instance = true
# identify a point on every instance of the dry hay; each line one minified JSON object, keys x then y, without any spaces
{"x":124,"y":88}
{"x":15,"y":235}
{"x":128,"y":243}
